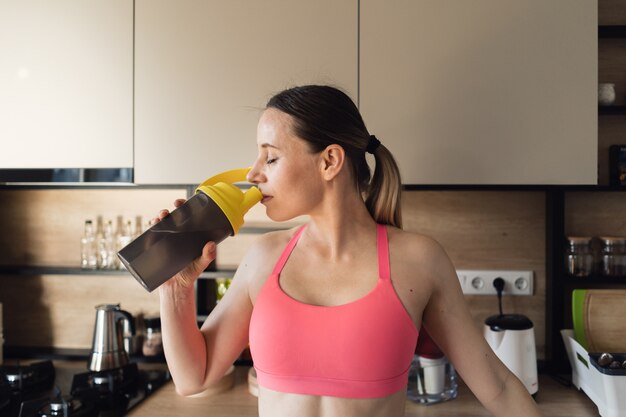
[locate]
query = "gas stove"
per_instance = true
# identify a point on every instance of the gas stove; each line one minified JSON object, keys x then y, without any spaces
{"x":37,"y":390}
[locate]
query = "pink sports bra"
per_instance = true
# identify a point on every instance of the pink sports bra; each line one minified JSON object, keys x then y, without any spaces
{"x":362,"y":349}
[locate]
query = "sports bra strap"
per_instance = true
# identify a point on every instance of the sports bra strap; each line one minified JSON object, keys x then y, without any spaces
{"x":383,"y":252}
{"x":285,"y":255}
{"x":381,"y":247}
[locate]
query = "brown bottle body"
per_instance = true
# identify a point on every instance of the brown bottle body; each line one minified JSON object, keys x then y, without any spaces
{"x":171,"y":244}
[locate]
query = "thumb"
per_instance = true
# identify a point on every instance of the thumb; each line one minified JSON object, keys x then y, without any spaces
{"x":192,"y":271}
{"x":208,"y":255}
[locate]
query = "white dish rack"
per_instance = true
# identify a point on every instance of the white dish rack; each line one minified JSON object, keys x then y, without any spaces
{"x":608,"y":392}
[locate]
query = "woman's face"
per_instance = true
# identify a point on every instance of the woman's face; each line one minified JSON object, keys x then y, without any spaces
{"x":286,"y":171}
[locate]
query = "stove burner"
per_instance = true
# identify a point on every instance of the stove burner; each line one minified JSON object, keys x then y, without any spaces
{"x":19,"y":383}
{"x":29,"y":377}
{"x":62,"y":405}
{"x":124,"y":380}
{"x":17,"y":378}
{"x":111,"y":378}
{"x":59,"y":406}
{"x":26,"y":391}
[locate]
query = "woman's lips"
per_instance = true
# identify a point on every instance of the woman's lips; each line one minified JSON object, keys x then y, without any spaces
{"x":266,"y":198}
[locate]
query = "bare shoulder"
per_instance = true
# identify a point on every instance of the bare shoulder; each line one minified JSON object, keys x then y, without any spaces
{"x":260,"y":258}
{"x":415,"y":248}
{"x":419,"y":256}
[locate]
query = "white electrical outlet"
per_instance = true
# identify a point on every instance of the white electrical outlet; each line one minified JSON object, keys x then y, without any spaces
{"x":481,"y":282}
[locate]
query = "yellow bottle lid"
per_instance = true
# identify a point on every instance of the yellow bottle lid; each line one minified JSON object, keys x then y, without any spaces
{"x":231,"y":199}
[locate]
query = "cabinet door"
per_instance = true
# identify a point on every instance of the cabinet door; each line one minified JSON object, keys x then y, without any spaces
{"x":66,"y":93}
{"x":205,"y":69}
{"x":483,"y":91}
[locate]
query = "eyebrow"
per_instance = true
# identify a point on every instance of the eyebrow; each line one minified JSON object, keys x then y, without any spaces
{"x":269,"y":145}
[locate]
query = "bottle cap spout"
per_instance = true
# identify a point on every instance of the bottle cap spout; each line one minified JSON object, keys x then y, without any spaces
{"x":250,"y":198}
{"x":230,"y":199}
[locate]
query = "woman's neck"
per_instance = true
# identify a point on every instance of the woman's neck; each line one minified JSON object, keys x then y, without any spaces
{"x":339,"y":226}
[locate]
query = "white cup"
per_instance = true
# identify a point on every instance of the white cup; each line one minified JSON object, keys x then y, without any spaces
{"x":434,"y":375}
{"x":606,"y":94}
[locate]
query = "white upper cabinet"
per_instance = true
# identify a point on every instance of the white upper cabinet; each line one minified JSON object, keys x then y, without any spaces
{"x":66,"y":74}
{"x":483,"y":91}
{"x":205,"y":69}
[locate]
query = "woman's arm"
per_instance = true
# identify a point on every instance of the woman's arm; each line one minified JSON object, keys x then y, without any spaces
{"x":196,"y":357}
{"x":448,"y":320}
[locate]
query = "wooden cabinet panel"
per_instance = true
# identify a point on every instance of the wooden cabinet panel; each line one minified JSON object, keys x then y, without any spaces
{"x":205,"y":69}
{"x":483,"y":92}
{"x":66,"y":75}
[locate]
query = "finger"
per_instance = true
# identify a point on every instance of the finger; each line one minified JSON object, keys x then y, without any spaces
{"x":208,"y":251}
{"x":154,"y":220}
{"x":179,"y":202}
{"x":202,"y":262}
{"x":163,"y":213}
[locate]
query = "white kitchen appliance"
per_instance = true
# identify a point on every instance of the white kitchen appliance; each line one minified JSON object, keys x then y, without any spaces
{"x":512,"y":338}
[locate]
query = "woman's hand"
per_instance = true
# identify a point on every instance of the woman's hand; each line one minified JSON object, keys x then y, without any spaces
{"x":186,"y":277}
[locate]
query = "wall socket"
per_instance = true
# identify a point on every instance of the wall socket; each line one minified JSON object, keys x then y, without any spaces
{"x":480,"y":282}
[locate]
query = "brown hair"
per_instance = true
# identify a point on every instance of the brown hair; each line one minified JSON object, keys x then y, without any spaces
{"x":325,"y":115}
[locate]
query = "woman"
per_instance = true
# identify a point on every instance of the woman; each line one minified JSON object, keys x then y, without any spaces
{"x":331,"y":309}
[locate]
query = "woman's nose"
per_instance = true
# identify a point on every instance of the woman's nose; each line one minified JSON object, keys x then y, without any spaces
{"x":253,"y":174}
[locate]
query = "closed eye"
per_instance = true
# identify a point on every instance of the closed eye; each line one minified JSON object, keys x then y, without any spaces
{"x":271,"y":161}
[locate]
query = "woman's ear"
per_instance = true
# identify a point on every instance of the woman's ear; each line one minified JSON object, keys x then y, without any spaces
{"x":332,"y":161}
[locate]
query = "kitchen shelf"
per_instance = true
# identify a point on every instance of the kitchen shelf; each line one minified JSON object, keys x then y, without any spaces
{"x":69,"y":270}
{"x":57,"y":270}
{"x":594,"y":281}
{"x":611,"y":110}
{"x":559,"y":284}
{"x":612,"y":32}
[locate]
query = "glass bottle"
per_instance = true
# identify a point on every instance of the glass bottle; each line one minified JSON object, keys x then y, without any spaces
{"x":88,"y":258}
{"x":138,"y":227}
{"x":106,"y":247}
{"x":117,"y":236}
{"x":579,"y":256}
{"x":123,"y":238}
{"x":153,"y":341}
{"x":612,"y":256}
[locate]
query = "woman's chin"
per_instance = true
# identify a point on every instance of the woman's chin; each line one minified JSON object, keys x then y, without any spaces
{"x":278,"y":217}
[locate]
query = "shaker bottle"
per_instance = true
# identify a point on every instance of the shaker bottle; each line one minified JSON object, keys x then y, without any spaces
{"x":214,"y":212}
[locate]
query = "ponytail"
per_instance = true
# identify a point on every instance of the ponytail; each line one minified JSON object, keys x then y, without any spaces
{"x":383,"y":195}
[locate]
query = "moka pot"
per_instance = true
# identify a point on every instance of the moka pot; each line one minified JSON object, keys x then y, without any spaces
{"x":214,"y":212}
{"x":107,"y":347}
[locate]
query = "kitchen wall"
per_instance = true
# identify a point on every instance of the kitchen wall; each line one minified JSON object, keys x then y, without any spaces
{"x":479,"y":229}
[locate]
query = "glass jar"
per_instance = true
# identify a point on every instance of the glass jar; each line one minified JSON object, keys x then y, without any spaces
{"x":579,"y":256}
{"x":613,"y":256}
{"x":153,"y":342}
{"x":431,"y":380}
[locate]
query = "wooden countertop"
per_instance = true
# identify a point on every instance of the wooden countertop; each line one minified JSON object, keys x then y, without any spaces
{"x":553,"y":399}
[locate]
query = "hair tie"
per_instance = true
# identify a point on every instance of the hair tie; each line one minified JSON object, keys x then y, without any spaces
{"x":372,"y":145}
